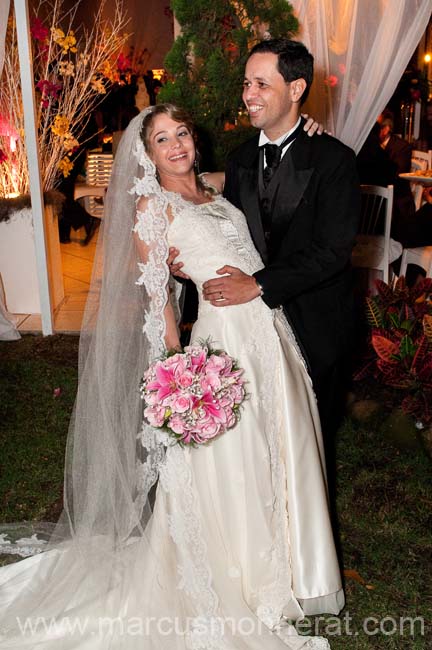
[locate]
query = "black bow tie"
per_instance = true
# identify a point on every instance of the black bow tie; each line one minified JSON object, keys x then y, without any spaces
{"x":273,"y":154}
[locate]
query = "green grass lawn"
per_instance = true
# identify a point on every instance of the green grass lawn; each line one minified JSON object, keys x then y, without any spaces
{"x":34,"y":422}
{"x":384,"y":497}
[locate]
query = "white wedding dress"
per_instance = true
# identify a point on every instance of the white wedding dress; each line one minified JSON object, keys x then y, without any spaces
{"x":239,"y":544}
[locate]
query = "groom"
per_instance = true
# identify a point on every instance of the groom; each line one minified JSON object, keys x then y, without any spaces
{"x":301,"y":198}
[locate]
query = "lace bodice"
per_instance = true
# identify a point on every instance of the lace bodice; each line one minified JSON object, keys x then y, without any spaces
{"x":209,"y":236}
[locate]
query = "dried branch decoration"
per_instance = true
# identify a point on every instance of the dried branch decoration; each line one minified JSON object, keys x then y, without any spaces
{"x":72,"y":72}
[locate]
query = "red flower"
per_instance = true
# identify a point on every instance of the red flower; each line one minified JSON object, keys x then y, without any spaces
{"x":49,"y":91}
{"x":123,"y":63}
{"x":331,"y":81}
{"x":3,"y":156}
{"x":38,"y":30}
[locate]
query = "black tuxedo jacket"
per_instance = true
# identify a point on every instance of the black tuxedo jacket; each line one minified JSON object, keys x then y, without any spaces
{"x":314,"y":222}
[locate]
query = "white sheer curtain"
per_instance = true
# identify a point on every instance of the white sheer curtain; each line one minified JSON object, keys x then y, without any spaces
{"x":361,"y":49}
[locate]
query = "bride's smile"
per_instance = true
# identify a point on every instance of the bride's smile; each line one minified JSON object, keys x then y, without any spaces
{"x":172,"y":148}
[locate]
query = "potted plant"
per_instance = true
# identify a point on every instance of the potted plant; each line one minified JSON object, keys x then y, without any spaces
{"x":399,"y":354}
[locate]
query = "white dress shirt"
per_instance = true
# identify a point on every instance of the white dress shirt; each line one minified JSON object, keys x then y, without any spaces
{"x":263,"y":139}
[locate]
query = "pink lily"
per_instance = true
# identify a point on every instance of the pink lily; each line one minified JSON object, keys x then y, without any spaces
{"x":165,"y":382}
{"x":207,"y":404}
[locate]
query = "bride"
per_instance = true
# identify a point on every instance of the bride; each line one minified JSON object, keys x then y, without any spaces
{"x":221,"y":547}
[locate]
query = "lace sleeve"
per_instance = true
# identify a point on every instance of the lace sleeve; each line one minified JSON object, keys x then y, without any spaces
{"x":150,"y":230}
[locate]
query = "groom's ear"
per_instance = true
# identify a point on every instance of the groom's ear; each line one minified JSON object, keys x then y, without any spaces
{"x":297,"y":88}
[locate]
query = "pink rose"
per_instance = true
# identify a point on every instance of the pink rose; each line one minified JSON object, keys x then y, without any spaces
{"x":181,"y":403}
{"x":215,"y":363}
{"x":207,"y":425}
{"x":174,"y":360}
{"x":237,"y":392}
{"x":235,"y":376}
{"x":184,"y":379}
{"x":210,"y":430}
{"x":177,"y":424}
{"x":231,"y":419}
{"x":177,"y":364}
{"x":226,"y":401}
{"x":228,"y":363}
{"x":187,"y":437}
{"x":151,"y":398}
{"x":155,"y":415}
{"x":210,"y":381}
{"x":206,"y":430}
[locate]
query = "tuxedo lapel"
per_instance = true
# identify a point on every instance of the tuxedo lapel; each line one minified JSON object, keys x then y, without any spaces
{"x":249,"y":196}
{"x":290,"y":187}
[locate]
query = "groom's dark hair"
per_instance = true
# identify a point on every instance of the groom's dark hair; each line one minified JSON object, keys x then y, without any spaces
{"x":294,"y":60}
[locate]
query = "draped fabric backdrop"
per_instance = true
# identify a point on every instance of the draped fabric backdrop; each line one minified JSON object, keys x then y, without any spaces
{"x":361,"y":49}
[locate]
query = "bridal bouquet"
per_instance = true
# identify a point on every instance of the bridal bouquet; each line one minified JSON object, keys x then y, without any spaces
{"x":194,"y":395}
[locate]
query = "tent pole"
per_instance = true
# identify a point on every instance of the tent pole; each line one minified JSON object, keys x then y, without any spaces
{"x":31,"y":139}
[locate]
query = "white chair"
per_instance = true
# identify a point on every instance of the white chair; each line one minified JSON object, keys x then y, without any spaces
{"x":420,"y":161}
{"x":374,"y":249}
{"x":93,"y":198}
{"x":421,"y":256}
{"x":99,"y":166}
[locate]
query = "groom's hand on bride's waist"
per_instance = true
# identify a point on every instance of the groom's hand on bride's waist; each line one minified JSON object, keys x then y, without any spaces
{"x":234,"y":288}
